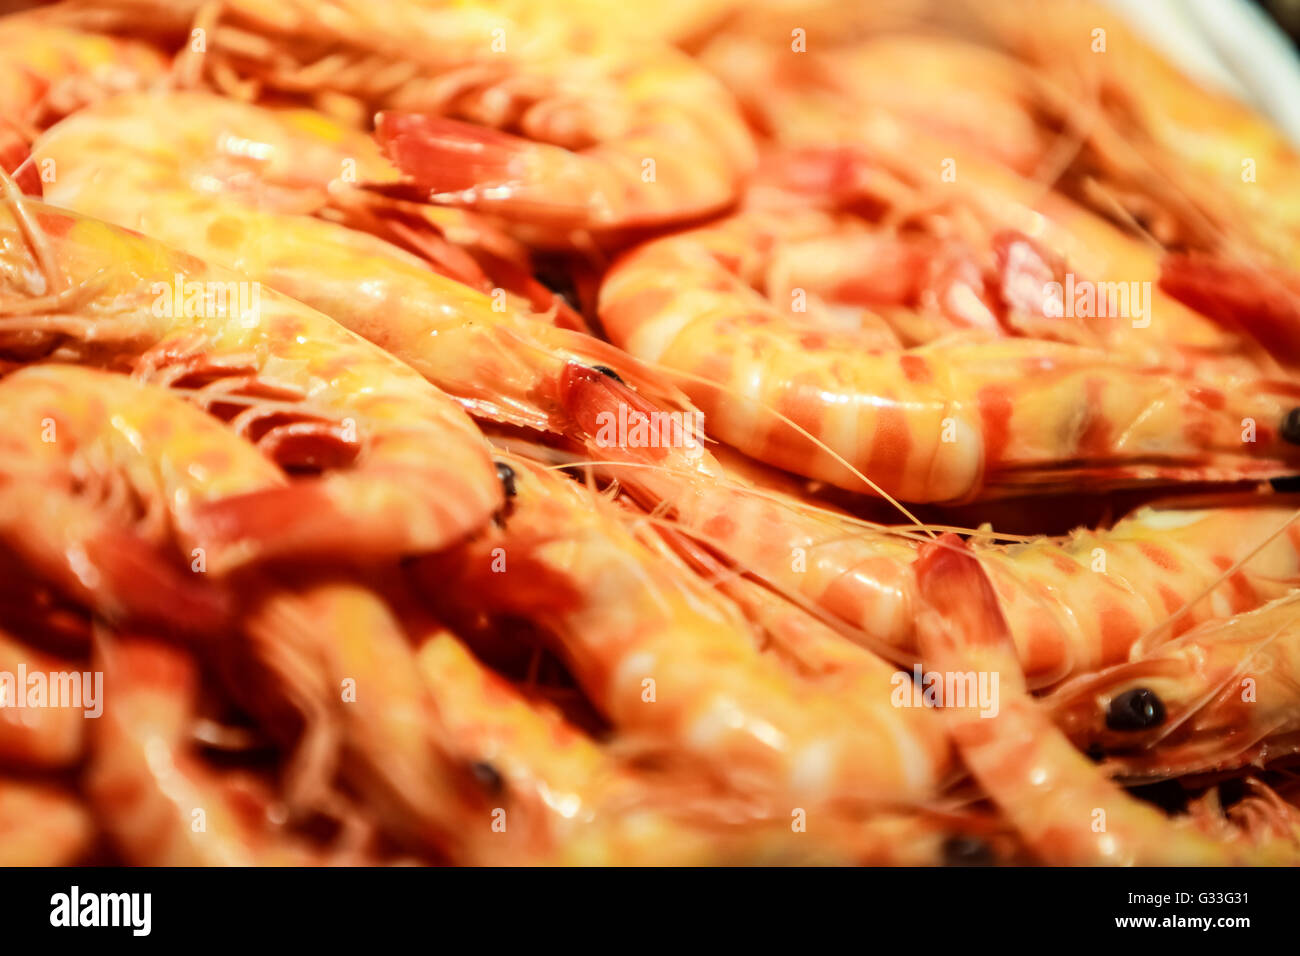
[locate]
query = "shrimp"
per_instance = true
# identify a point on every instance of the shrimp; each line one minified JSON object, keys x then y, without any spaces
{"x":1062,"y":806}
{"x":153,"y":795}
{"x":946,"y":422}
{"x":41,"y":825}
{"x":1222,"y":695}
{"x":641,"y":637}
{"x":103,"y":483}
{"x":955,"y":90}
{"x":683,"y":153}
{"x":1074,"y":604}
{"x":1081,"y":193}
{"x":565,"y":798}
{"x":312,"y":394}
{"x":335,"y":653}
{"x":501,"y":363}
{"x":1163,"y":146}
{"x":47,"y":736}
{"x":47,"y":72}
{"x":595,"y":109}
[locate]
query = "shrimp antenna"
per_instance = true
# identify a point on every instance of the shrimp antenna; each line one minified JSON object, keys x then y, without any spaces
{"x":32,"y":234}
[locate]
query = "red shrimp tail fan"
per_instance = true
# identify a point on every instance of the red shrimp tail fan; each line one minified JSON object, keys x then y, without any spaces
{"x":960,"y":625}
{"x":1260,"y":302}
{"x":451,"y":162}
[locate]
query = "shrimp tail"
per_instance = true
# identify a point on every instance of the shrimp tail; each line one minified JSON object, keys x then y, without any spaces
{"x":445,"y":155}
{"x":455,"y":163}
{"x":1242,"y":297}
{"x":956,"y":589}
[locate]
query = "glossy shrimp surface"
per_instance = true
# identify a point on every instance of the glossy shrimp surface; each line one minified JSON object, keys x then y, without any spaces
{"x":235,"y":184}
{"x":311,"y":392}
{"x":543,"y":433}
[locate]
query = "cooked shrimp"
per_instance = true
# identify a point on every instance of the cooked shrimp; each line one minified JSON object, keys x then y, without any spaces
{"x":1163,"y":147}
{"x":616,"y":132}
{"x":682,"y":152}
{"x":565,"y":798}
{"x":47,"y":72}
{"x":1074,"y":604}
{"x":152,"y":794}
{"x":671,"y":666}
{"x":42,"y":825}
{"x":313,"y":394}
{"x":258,"y":171}
{"x":1062,"y":806}
{"x":1222,"y":695}
{"x":334,"y":652}
{"x":103,"y":483}
{"x":950,"y":421}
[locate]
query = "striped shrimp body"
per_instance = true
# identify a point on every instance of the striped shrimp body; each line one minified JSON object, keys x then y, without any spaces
{"x":945,"y":422}
{"x":313,"y":395}
{"x":1097,"y":597}
{"x":879,"y":96}
{"x":1222,"y":695}
{"x":638,"y":635}
{"x":1060,"y":803}
{"x":249,"y":214}
{"x":1074,"y":604}
{"x":500,"y":108}
{"x":678,"y":151}
{"x":179,"y":146}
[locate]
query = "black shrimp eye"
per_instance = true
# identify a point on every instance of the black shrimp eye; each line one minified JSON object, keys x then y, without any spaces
{"x":1135,"y":709}
{"x":965,"y":850}
{"x":1095,"y":752}
{"x":489,"y":778}
{"x":506,"y":475}
{"x":1291,"y":426}
{"x":607,"y":371}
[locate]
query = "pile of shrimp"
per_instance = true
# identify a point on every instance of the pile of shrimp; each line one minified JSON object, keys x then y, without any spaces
{"x":527,"y":432}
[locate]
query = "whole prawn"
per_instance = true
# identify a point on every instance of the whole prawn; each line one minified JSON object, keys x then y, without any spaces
{"x":261,"y":171}
{"x":592,"y":106}
{"x":955,"y":419}
{"x":311,"y":393}
{"x":1062,"y":806}
{"x":1074,"y":603}
{"x":641,"y":637}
